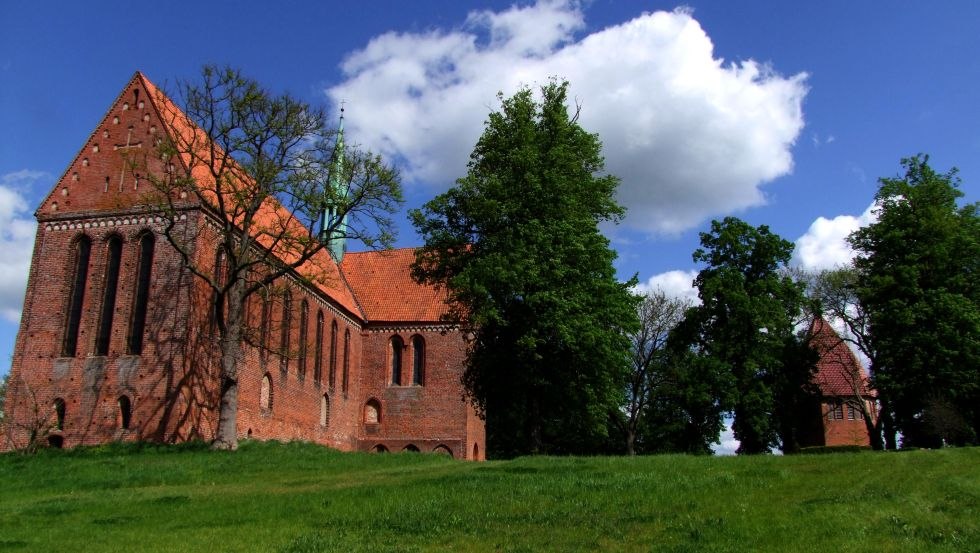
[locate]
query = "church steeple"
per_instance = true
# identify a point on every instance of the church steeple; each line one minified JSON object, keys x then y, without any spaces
{"x":335,"y":240}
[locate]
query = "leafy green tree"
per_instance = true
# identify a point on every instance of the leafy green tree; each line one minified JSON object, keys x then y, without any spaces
{"x":918,"y":268}
{"x":745,"y":326}
{"x":686,"y":414}
{"x":516,"y":245}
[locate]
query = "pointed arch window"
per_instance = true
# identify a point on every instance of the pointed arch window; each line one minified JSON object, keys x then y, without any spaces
{"x":318,"y":349}
{"x":144,"y":267}
{"x":264,"y":318}
{"x":265,"y":393}
{"x":333,"y":354}
{"x":221,"y":275}
{"x":59,"y":413}
{"x":418,"y":361}
{"x":396,"y":360}
{"x":287,"y":300}
{"x":325,"y":410}
{"x":111,"y":282}
{"x":82,"y":250}
{"x":304,"y":315}
{"x":125,"y":412}
{"x":346,"y":361}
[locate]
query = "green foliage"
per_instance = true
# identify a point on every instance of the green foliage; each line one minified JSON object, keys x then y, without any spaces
{"x":304,"y":498}
{"x":745,"y":326}
{"x":671,"y":403}
{"x":516,"y":245}
{"x":918,"y":268}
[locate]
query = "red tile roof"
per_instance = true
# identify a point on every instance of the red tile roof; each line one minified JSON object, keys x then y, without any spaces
{"x":837,"y":367}
{"x":382,"y":282}
{"x":271,"y":220}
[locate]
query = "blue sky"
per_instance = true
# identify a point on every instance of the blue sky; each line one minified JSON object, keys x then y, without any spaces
{"x":781,"y":113}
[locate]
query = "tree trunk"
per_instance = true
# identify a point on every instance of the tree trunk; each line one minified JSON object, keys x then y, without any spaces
{"x":535,"y":445}
{"x":226,"y":437}
{"x":630,"y":441}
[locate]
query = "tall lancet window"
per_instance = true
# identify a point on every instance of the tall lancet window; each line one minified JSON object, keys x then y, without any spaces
{"x":141,"y":297}
{"x":114,"y":256}
{"x":79,"y":276}
{"x":396,"y":360}
{"x":418,"y":360}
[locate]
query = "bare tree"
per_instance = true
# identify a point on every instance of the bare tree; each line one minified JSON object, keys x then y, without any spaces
{"x":280,"y":194}
{"x":658,"y":314}
{"x":33,"y":423}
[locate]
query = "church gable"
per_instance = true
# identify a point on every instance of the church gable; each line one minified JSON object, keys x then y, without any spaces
{"x":100,"y":178}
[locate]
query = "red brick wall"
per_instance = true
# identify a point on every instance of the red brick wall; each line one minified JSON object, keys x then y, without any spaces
{"x":172,"y":385}
{"x":425,"y":416}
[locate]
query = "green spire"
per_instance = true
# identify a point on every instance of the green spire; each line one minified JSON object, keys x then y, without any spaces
{"x":336,"y":239}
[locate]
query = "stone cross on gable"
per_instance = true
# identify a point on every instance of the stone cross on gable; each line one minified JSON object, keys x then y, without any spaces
{"x":124,"y":150}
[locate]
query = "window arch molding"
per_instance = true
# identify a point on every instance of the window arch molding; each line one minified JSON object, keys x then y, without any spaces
{"x":110,"y":286}
{"x":266,"y":393}
{"x":418,"y":360}
{"x":146,"y":244}
{"x":81,"y":253}
{"x":396,"y":346}
{"x":372,"y":411}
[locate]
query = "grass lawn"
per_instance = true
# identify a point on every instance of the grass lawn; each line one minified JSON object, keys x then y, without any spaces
{"x":300,"y":497}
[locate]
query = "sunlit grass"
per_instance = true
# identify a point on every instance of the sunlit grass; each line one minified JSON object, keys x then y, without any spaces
{"x":299,"y":498}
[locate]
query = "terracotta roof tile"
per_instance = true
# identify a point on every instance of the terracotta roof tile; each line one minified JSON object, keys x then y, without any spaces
{"x":272,"y":218}
{"x":382,"y":282}
{"x":837,"y":362}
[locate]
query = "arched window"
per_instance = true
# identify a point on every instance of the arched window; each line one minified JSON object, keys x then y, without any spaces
{"x":264,"y":318}
{"x":380,"y":448}
{"x":418,"y":360}
{"x":372,"y":412}
{"x":318,"y":349}
{"x":59,"y":413}
{"x":220,"y":279}
{"x":287,"y":300}
{"x":141,"y":296}
{"x":125,"y":412}
{"x":346,"y":360}
{"x":82,"y":251}
{"x":333,"y":354}
{"x":476,"y":451}
{"x":304,"y":315}
{"x":396,"y":360}
{"x":265,"y":393}
{"x":442,"y":450}
{"x":113,"y":258}
{"x":324,"y":410}
{"x":411,"y":448}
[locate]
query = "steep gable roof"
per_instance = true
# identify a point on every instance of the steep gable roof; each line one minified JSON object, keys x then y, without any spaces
{"x":100,"y":179}
{"x":837,"y":367}
{"x":383,"y":284}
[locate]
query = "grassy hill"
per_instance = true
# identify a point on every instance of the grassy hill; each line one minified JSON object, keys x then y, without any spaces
{"x":300,"y":497}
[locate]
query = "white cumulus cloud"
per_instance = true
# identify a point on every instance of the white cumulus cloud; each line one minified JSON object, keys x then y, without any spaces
{"x":675,"y":284}
{"x":17,"y":228}
{"x":824,"y":245}
{"x":691,"y":135}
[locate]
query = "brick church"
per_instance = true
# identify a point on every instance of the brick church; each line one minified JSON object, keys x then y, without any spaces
{"x":114,"y":341}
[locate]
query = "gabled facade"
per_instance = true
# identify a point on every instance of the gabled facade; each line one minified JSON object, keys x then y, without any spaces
{"x":843,"y":385}
{"x":115,"y":341}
